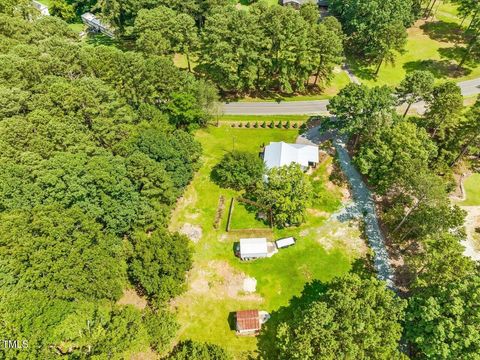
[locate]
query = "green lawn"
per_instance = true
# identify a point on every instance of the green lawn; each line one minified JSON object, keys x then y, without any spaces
{"x":215,"y":282}
{"x":472,"y":188}
{"x":339,"y":81}
{"x":261,"y":118}
{"x":434,"y":45}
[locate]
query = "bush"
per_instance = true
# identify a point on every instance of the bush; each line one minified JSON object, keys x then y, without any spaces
{"x":248,"y":125}
{"x":161,"y":327}
{"x":160,"y":263}
{"x":240,"y":124}
{"x":279,"y":125}
{"x":233,"y":125}
{"x":190,"y":350}
{"x":287,"y":125}
{"x":295,"y":125}
{"x":264,"y":125}
{"x":238,"y":170}
{"x":255,"y":125}
{"x":271,"y":125}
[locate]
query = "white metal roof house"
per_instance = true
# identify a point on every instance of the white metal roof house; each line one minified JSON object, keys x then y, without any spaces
{"x":278,"y":154}
{"x":253,"y":248}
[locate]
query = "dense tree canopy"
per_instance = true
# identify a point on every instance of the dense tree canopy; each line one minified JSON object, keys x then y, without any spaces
{"x":93,"y":159}
{"x":354,"y":318}
{"x":375,"y":29}
{"x":239,"y":170}
{"x":287,"y":192}
{"x":444,"y":323}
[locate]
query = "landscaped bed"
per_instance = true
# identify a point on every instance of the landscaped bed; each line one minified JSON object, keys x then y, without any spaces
{"x":215,"y":285}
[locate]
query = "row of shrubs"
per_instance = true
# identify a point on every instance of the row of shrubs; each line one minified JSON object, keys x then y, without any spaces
{"x":271,"y":125}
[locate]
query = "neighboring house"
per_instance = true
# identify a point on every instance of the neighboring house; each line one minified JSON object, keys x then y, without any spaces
{"x":43,"y":9}
{"x":95,"y":24}
{"x":278,"y":154}
{"x":249,"y":322}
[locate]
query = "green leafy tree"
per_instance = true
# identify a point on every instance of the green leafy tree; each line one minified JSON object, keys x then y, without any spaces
{"x":63,"y":10}
{"x":48,"y":249}
{"x":239,"y":170}
{"x":354,"y":318}
{"x":161,"y":327}
{"x":444,"y":322}
{"x":440,"y":261}
{"x":417,"y":86}
{"x":375,"y":29}
{"x":159,"y":263}
{"x":362,"y":111}
{"x":393,"y":156}
{"x":190,"y":350}
{"x":444,"y":109}
{"x":287,"y":192}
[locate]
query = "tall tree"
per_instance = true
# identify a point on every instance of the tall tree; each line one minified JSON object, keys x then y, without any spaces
{"x":362,"y":111}
{"x":287,"y":193}
{"x":444,"y":322}
{"x":375,"y":29}
{"x":417,"y":86}
{"x":354,"y":318}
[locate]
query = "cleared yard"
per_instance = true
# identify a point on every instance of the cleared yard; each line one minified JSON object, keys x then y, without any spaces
{"x":215,"y":285}
{"x":472,"y":190}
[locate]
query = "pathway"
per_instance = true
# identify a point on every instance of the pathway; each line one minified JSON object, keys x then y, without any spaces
{"x":363,"y":203}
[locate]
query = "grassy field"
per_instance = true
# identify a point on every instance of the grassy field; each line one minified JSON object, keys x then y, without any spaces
{"x":215,"y":283}
{"x":261,"y":118}
{"x":435,"y":45}
{"x":472,"y":188}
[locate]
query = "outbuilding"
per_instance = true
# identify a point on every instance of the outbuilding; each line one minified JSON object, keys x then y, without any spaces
{"x":285,"y":242}
{"x":253,"y":248}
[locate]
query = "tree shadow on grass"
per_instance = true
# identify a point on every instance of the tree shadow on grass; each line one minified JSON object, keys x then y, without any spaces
{"x":312,"y":292}
{"x":267,"y":337}
{"x":444,"y":31}
{"x":439,"y":68}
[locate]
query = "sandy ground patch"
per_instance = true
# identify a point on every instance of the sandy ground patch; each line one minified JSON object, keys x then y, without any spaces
{"x":217,"y":280}
{"x":346,"y":235}
{"x":472,"y":221}
{"x":193,"y":232}
{"x":145,"y":355}
{"x":130,"y":297}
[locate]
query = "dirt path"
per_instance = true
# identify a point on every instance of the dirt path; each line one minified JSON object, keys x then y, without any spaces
{"x":363,"y":205}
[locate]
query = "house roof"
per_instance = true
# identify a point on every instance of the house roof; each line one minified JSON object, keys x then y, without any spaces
{"x":253,"y":246}
{"x":248,"y":320}
{"x":280,"y":153}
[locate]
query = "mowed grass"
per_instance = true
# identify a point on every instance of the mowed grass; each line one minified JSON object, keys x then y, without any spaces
{"x":261,"y":118}
{"x":434,"y":45}
{"x":472,"y":189}
{"x":339,"y":80}
{"x":205,"y":309}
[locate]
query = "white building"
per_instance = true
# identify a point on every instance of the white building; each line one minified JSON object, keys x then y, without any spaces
{"x":285,"y":242}
{"x":253,"y":248}
{"x":278,"y":154}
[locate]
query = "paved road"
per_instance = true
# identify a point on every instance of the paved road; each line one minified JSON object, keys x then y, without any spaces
{"x":316,"y":107}
{"x":363,"y":207}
